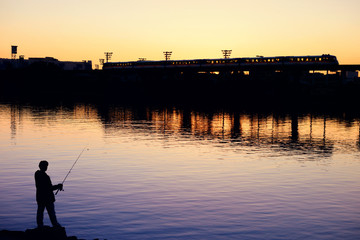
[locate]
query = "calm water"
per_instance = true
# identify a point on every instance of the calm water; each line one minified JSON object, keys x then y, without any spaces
{"x":173,"y":173}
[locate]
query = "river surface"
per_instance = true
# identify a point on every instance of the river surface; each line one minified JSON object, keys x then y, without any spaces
{"x":183,"y":173}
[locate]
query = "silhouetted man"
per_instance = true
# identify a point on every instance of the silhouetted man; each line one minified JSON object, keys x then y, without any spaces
{"x":44,"y":195}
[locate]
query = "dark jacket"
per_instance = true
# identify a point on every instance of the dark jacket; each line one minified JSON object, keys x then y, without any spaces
{"x":44,"y":188}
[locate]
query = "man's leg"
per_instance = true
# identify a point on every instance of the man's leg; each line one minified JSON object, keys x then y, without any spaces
{"x":52,"y":215}
{"x":40,"y":215}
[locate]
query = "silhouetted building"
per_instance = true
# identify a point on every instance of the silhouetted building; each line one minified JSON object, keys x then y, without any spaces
{"x":6,"y":64}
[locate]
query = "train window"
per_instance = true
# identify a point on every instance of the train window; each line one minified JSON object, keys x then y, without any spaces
{"x":320,"y":59}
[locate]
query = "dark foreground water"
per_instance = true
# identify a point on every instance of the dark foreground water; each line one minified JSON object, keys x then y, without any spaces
{"x":182,"y":173}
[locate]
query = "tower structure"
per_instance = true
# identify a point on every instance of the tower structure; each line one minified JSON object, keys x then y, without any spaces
{"x":226,"y":53}
{"x":13,"y":51}
{"x":167,"y":55}
{"x":108,"y":56}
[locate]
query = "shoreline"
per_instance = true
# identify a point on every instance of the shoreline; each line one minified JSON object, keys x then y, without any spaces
{"x":45,"y":233}
{"x":172,"y":87}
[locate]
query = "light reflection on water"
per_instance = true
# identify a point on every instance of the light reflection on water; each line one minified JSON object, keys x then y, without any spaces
{"x":178,"y":173}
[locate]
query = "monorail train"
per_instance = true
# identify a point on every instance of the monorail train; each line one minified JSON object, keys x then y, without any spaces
{"x":325,"y":59}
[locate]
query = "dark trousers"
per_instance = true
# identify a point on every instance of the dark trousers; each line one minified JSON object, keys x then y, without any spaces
{"x":50,"y":208}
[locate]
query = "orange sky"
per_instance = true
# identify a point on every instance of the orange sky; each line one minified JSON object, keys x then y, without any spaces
{"x":84,"y":30}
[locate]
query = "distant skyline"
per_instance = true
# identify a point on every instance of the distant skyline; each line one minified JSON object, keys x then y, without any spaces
{"x":84,"y":30}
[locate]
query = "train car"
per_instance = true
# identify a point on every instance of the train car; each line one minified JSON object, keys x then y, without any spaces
{"x":324,"y":59}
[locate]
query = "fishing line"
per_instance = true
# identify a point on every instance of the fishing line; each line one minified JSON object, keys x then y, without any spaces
{"x":72,"y":167}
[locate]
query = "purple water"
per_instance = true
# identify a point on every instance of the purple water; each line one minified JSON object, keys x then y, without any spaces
{"x":173,"y":173}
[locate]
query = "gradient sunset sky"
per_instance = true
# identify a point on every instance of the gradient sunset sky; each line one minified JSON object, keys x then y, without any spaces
{"x":84,"y":29}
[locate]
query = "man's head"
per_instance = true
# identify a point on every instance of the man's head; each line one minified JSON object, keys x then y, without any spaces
{"x":43,"y":165}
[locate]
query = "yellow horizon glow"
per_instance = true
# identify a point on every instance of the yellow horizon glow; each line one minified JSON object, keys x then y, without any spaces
{"x":84,"y":30}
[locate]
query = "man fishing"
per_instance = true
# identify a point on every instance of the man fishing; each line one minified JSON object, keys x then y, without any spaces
{"x":44,"y":195}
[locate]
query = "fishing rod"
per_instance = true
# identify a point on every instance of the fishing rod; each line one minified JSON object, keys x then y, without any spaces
{"x":72,"y":167}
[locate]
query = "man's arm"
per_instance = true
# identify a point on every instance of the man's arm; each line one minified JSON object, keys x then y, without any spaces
{"x":58,"y":186}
